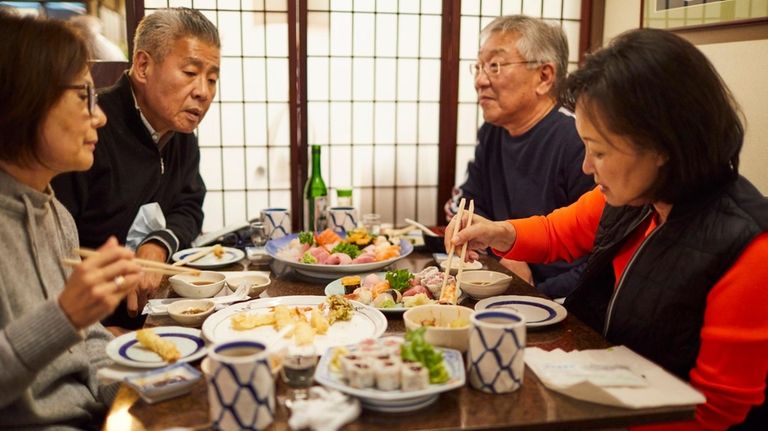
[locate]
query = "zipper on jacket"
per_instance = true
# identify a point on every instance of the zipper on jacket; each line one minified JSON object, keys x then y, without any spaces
{"x":609,"y":312}
{"x":162,"y":166}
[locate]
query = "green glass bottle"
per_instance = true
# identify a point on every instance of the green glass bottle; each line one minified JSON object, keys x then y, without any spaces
{"x":315,"y":196}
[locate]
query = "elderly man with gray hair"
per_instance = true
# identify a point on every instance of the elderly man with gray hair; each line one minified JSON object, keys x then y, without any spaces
{"x":528,"y":156}
{"x":145,"y":186}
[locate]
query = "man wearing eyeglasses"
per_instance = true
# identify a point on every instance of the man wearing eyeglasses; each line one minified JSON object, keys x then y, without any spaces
{"x":145,"y":186}
{"x":528,"y":157}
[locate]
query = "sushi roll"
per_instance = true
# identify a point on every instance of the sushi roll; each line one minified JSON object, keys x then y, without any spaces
{"x":363,"y":295}
{"x":350,"y":283}
{"x":413,"y":377}
{"x":347,"y":361}
{"x":391,"y":345}
{"x":360,"y":375}
{"x":388,"y":375}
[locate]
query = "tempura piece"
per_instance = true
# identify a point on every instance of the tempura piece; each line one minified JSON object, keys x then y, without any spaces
{"x":283,"y":317}
{"x":244,"y":321}
{"x":165,"y":348}
{"x":218,"y":251}
{"x":339,"y":308}
{"x":319,"y":322}
{"x":304,"y":334}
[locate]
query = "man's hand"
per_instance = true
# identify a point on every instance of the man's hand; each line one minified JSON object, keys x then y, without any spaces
{"x":521,"y":269}
{"x":149,"y":283}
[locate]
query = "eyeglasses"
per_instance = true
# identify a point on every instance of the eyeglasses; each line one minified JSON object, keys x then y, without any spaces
{"x":93,"y":98}
{"x":493,"y":69}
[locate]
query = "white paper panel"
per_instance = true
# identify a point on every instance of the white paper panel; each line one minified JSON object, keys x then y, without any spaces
{"x":427,"y":165}
{"x":386,"y":28}
{"x":429,"y":123}
{"x":362,"y":123}
{"x":407,"y":34}
{"x":385,"y":77}
{"x":234,"y":207}
{"x":277,"y":79}
{"x":341,"y":167}
{"x":253,"y":33}
{"x":407,"y":79}
{"x":231,"y":80}
{"x":341,"y":76}
{"x":552,"y":9}
{"x":384,"y":123}
{"x":279,"y":163}
{"x":341,"y":25}
{"x":513,"y":7}
{"x":363,"y":172}
{"x":279,"y":124}
{"x":230,"y":33}
{"x":491,"y":7}
{"x":406,"y":205}
{"x":430,"y":36}
{"x":255,"y":79}
{"x":317,"y":33}
{"x":341,"y":123}
{"x":213,"y":208}
{"x":407,"y":122}
{"x":363,"y":38}
{"x":256,"y":124}
{"x":277,"y":34}
{"x":427,"y":206}
{"x":532,"y":8}
{"x":362,"y":79}
{"x":210,"y":167}
{"x":232,"y":123}
{"x":429,"y":81}
{"x":257,"y":168}
{"x":318,"y":119}
{"x":234,"y":168}
{"x":405,"y":168}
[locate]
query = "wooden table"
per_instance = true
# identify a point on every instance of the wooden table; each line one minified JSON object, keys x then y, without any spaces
{"x":531,"y":407}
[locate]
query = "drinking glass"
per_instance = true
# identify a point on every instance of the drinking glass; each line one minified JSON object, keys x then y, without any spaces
{"x":372,"y":223}
{"x":258,"y":234}
{"x":299,"y":371}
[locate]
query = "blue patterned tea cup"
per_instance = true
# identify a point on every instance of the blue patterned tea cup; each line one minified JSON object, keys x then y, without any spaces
{"x":277,"y":222}
{"x":496,"y":347}
{"x":241,"y":386}
{"x":342,"y":219}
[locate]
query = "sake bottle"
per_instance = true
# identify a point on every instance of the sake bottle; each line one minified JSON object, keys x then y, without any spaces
{"x":315,"y":196}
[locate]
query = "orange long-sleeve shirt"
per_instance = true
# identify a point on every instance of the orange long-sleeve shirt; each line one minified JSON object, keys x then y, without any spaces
{"x":732,"y":364}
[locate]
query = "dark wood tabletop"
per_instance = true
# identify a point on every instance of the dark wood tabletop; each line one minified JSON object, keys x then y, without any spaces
{"x":533,"y":406}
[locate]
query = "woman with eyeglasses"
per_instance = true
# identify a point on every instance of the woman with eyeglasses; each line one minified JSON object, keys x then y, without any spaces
{"x":676,"y":238}
{"x":51,"y":341}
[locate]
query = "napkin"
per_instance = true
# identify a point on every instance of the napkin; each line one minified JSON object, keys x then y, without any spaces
{"x":325,"y":410}
{"x":615,"y":376}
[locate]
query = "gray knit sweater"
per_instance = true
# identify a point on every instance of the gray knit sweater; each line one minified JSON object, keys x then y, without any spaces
{"x":47,"y":368}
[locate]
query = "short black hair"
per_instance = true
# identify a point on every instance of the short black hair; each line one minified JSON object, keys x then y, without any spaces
{"x":663,"y":94}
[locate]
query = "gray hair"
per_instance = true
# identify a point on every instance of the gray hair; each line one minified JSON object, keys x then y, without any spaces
{"x":539,"y":41}
{"x":158,"y":31}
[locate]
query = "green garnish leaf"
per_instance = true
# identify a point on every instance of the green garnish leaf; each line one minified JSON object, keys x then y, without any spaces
{"x":306,"y":238}
{"x":350,"y":250}
{"x":399,"y":279}
{"x":308,"y":258}
{"x":416,"y":349}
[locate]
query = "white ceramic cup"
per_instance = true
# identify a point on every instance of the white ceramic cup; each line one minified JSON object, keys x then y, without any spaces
{"x":496,"y":347}
{"x":342,"y":219}
{"x":277,"y":222}
{"x":241,"y":386}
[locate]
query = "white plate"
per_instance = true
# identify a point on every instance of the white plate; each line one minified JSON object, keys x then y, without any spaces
{"x":395,"y":401}
{"x":126,"y":350}
{"x":335,"y":288}
{"x":537,"y":311}
{"x":332,"y":271}
{"x":231,"y":255}
{"x":366,"y":322}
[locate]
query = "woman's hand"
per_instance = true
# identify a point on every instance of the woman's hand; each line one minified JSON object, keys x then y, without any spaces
{"x":98,"y":284}
{"x":482,"y":234}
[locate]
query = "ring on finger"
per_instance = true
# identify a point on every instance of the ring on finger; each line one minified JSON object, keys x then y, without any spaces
{"x":119,"y":280}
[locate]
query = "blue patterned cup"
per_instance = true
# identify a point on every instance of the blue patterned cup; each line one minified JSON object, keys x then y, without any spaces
{"x":241,"y":386}
{"x":496,"y":347}
{"x":277,"y":222}
{"x":342,"y":219}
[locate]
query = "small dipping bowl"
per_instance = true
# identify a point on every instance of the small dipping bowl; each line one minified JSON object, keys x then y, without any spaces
{"x":191,"y":312}
{"x":256,"y":284}
{"x":205,"y":285}
{"x":484,"y":284}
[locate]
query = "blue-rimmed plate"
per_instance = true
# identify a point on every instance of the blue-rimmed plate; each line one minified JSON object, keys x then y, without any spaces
{"x":537,"y":311}
{"x":126,"y":350}
{"x":210,"y":261}
{"x":397,"y":400}
{"x":331,"y":271}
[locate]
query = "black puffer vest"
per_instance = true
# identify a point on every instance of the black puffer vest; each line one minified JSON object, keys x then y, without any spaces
{"x":658,"y":307}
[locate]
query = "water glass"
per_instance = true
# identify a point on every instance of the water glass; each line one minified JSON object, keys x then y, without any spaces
{"x":372,"y":223}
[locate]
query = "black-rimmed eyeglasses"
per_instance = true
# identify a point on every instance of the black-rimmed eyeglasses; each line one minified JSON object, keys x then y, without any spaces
{"x":493,"y":69}
{"x":93,"y":98}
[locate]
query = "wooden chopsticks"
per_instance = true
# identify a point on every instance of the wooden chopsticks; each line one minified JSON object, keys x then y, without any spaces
{"x":195,"y":256}
{"x":147,"y":265}
{"x":448,"y":292}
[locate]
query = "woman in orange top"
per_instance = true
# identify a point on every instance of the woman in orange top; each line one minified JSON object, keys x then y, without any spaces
{"x":676,"y":238}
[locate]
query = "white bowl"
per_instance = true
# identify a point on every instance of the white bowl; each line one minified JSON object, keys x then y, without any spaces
{"x":191,"y":312}
{"x":484,"y":284}
{"x":442,"y":334}
{"x":205,"y":285}
{"x":256,"y":284}
{"x":467,"y":266}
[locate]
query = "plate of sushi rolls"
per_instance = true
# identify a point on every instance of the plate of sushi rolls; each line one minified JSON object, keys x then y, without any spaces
{"x":392,"y":291}
{"x":392,"y":374}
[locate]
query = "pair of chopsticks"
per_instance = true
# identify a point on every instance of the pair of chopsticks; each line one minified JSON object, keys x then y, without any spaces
{"x":147,"y":265}
{"x":196,"y":256}
{"x":448,"y":295}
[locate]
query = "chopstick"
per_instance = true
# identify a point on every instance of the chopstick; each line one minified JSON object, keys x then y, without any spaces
{"x":148,"y":265}
{"x":444,"y":294}
{"x":195,"y":256}
{"x":463,"y":249}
